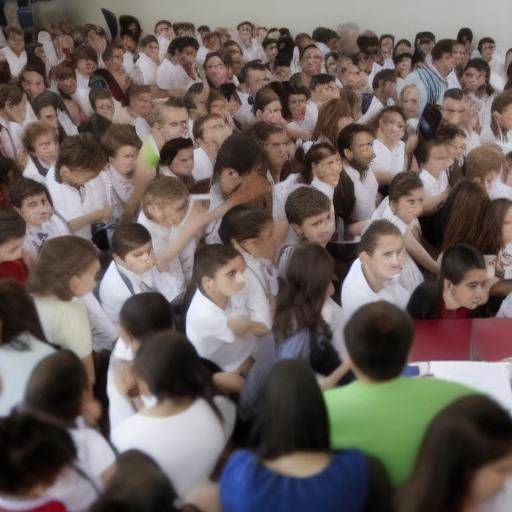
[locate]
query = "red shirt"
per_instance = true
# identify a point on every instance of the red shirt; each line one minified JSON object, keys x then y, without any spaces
{"x":52,"y":506}
{"x":453,"y":313}
{"x":16,"y":270}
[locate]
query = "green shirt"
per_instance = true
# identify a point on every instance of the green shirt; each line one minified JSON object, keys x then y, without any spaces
{"x":149,"y":151}
{"x":388,"y":419}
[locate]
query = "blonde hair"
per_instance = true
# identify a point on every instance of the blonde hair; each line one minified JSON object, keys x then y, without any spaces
{"x":483,"y":160}
{"x":162,"y":191}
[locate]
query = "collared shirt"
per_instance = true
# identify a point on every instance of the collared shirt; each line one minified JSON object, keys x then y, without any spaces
{"x":434,"y":186}
{"x":365,"y":192}
{"x":16,"y":63}
{"x":388,"y":160}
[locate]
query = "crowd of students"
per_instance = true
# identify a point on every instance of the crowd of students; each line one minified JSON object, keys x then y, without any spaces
{"x":212,"y":246}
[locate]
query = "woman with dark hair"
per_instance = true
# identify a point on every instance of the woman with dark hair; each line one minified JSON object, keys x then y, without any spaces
{"x":22,"y":342}
{"x":461,"y":288}
{"x":464,"y":461}
{"x":185,"y":429}
{"x":215,"y":70}
{"x":290,"y":466}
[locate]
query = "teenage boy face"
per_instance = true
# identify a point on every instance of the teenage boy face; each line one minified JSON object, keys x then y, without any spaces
{"x":230,"y":279}
{"x":317,"y":229}
{"x":388,"y":258}
{"x":33,"y":83}
{"x":140,"y":260}
{"x":439,"y":160}
{"x":105,"y":108}
{"x":141,"y":104}
{"x":175,"y":123}
{"x":410,"y":206}
{"x":125,"y":160}
{"x":271,"y":52}
{"x":46,"y":148}
{"x":49,"y":115}
{"x":36,"y":209}
{"x":453,"y":111}
{"x":67,"y":85}
{"x":187,"y":57}
{"x":487,"y":51}
{"x":361,"y":154}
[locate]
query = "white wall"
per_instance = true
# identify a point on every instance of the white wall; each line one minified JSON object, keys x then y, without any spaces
{"x":401,"y":17}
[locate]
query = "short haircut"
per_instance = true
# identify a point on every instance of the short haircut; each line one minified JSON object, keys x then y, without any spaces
{"x":403,"y":184}
{"x":324,"y":34}
{"x":311,"y":46}
{"x":110,"y":49}
{"x":128,"y":237}
{"x":178,"y":44}
{"x":242,"y":223}
{"x":10,"y":95}
{"x":136,"y":90}
{"x":448,"y":132}
{"x":118,"y":135}
{"x":35,"y":130}
{"x":262,"y":130}
{"x":423,"y":151}
{"x":379,"y":337}
{"x":499,"y":103}
{"x":243,"y":23}
{"x":81,"y":152}
{"x":400,"y":57}
{"x":376,"y":230}
{"x":268,"y":42}
{"x":156,"y":115}
{"x":320,"y":79}
{"x":84,"y":53}
{"x":99,"y":93}
{"x":454,"y":94}
{"x":62,"y":71}
{"x":198,"y":130}
{"x":485,"y":40}
{"x":305,"y":202}
{"x":347,"y":135}
{"x":252,"y":65}
{"x":163,"y":22}
{"x":147,"y":40}
{"x":465,"y":34}
{"x":442,"y":47}
{"x":25,"y":188}
{"x":12,"y":225}
{"x":384,"y":75}
{"x":11,"y":30}
{"x":209,"y":258}
{"x":171,"y":149}
{"x":33,"y":67}
{"x":163,"y":190}
{"x":482,"y":160}
{"x":239,"y":152}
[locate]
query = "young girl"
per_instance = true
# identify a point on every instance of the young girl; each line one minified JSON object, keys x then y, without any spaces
{"x":402,"y":207}
{"x":142,"y":314}
{"x":498,"y":132}
{"x":187,"y":429}
{"x":22,"y":343}
{"x":12,"y":236}
{"x":294,"y":111}
{"x":461,"y":287}
{"x":388,"y":146}
{"x":177,"y":159}
{"x":267,"y":106}
{"x":65,"y":272}
{"x":58,"y":388}
{"x":470,"y":444}
{"x":333,"y":116}
{"x":290,"y":466}
{"x":375,"y":274}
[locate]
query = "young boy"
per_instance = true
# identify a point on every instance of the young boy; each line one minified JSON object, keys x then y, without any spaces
{"x":122,"y":145}
{"x":311,"y":217}
{"x":133,"y":271}
{"x":40,"y":140}
{"x":434,"y":159}
{"x":217,"y":321}
{"x":32,"y":201}
{"x":14,"y":52}
{"x":77,"y":195}
{"x":139,"y":106}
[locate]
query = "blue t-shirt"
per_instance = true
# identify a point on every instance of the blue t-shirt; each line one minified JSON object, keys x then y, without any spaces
{"x":247,"y":485}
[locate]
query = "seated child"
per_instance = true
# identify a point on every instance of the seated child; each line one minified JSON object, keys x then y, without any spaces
{"x":41,"y":142}
{"x":217,"y":322}
{"x":133,"y":271}
{"x":12,"y":237}
{"x":31,"y":200}
{"x":122,"y":146}
{"x":311,"y":217}
{"x":375,"y":274}
{"x":77,"y":196}
{"x":103,"y":105}
{"x":177,"y":159}
{"x":402,"y":207}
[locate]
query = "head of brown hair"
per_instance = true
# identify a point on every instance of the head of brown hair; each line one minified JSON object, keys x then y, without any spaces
{"x":35,"y":130}
{"x":81,"y":152}
{"x":118,"y":135}
{"x":328,"y":116}
{"x":162,"y":191}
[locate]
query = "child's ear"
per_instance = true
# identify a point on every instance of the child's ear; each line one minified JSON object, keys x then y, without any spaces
{"x":152,"y":210}
{"x":206,"y":283}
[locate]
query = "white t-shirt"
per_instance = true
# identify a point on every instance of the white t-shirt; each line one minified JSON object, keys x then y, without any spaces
{"x":365,"y":192}
{"x":17,"y":360}
{"x":433,"y":186}
{"x":16,"y":63}
{"x":185,"y":445}
{"x":203,"y":165}
{"x":244,"y":114}
{"x":207,"y":329}
{"x":356,"y":291}
{"x":386,"y":160}
{"x":144,"y":70}
{"x":172,"y":76}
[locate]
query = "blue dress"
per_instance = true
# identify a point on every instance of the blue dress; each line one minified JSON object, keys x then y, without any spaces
{"x":247,"y":485}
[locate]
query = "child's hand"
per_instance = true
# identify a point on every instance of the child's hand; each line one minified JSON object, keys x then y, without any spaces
{"x":125,"y":382}
{"x":253,"y":186}
{"x":239,"y":325}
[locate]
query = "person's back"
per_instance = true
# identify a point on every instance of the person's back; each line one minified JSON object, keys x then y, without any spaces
{"x":383,"y":413}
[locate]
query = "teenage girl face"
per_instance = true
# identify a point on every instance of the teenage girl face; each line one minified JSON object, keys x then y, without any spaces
{"x":473,"y":79}
{"x":277,"y":148}
{"x":36,"y":209}
{"x":311,"y":62}
{"x":470,"y":292}
{"x":328,"y":169}
{"x":506,"y":228}
{"x":403,"y":68}
{"x":297,"y":105}
{"x":488,"y":180}
{"x":409,"y":207}
{"x":46,"y":148}
{"x":271,"y":113}
{"x":17,"y":112}
{"x":85,"y":282}
{"x":504,"y":118}
{"x":125,"y":160}
{"x":392,"y":126}
{"x":490,"y":479}
{"x":331,"y":67}
{"x":264,"y":245}
{"x":326,"y":92}
{"x":140,"y":260}
{"x":216,"y":71}
{"x":116,"y":62}
{"x":105,"y":108}
{"x":459,"y":54}
{"x":387,"y":260}
{"x":229,"y":279}
{"x":318,"y":229}
{"x":183,"y":162}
